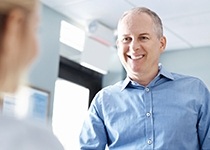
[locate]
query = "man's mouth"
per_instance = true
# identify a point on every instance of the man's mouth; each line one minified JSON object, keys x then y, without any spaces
{"x":136,"y":57}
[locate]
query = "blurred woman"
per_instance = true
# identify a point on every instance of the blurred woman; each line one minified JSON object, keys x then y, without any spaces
{"x":19,"y":21}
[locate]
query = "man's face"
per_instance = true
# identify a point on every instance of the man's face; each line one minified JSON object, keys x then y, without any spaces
{"x":139,"y":47}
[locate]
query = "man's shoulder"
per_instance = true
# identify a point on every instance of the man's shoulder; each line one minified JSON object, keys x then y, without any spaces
{"x":115,"y":86}
{"x":185,"y":78}
{"x":110,"y":89}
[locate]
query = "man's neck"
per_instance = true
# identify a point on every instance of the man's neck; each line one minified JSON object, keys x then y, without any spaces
{"x":145,"y":78}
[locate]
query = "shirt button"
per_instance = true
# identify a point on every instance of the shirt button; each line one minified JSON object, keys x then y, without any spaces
{"x":148,"y":114}
{"x":147,"y":89}
{"x":149,"y":142}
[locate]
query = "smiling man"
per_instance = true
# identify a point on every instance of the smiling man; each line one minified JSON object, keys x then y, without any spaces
{"x":140,"y":43}
{"x":151,"y":109}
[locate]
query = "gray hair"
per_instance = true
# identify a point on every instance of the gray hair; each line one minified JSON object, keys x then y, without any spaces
{"x":155,"y":18}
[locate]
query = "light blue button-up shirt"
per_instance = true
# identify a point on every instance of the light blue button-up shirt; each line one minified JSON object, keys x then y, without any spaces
{"x":171,"y":113}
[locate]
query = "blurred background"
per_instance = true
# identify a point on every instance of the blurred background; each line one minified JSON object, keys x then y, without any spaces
{"x":78,"y":56}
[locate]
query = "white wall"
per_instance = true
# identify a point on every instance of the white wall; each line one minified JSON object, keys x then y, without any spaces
{"x":195,"y":62}
{"x":116,"y":71}
{"x":45,"y":69}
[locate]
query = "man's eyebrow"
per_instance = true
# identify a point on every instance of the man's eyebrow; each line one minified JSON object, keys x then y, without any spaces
{"x":144,"y":34}
{"x":125,"y":34}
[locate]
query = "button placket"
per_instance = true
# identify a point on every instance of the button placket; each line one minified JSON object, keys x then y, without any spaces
{"x":149,"y":118}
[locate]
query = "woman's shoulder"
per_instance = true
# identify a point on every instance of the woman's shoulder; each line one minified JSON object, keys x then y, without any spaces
{"x":21,"y":134}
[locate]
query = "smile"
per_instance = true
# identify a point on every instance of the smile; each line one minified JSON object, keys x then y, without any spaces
{"x":136,"y":57}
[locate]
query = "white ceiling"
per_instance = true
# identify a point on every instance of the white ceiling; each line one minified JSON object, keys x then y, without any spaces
{"x":186,"y":22}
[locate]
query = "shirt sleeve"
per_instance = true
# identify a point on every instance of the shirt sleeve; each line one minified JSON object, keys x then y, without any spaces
{"x":204,"y":120}
{"x":93,"y":133}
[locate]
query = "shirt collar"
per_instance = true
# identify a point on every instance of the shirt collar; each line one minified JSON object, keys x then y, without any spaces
{"x":162,"y":71}
{"x":125,"y":83}
{"x":165,"y":73}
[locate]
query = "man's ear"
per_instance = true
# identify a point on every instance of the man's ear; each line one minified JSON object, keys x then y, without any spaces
{"x":117,"y":43}
{"x":163,"y":43}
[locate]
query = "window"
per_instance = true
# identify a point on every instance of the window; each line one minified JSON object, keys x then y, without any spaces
{"x":70,"y":106}
{"x":72,"y":36}
{"x":75,"y":88}
{"x":76,"y":73}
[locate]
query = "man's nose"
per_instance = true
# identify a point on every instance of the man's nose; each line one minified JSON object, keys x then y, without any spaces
{"x":135,"y":45}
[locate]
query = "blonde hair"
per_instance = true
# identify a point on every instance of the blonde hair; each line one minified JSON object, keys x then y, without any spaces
{"x":8,"y":77}
{"x":7,"y":5}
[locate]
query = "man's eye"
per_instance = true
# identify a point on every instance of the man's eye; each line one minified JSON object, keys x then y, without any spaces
{"x":127,"y":39}
{"x":144,"y":38}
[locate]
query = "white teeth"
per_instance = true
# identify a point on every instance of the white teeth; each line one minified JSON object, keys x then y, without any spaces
{"x":137,"y":57}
